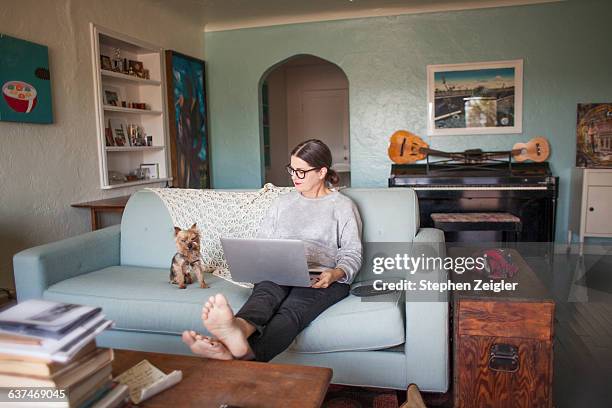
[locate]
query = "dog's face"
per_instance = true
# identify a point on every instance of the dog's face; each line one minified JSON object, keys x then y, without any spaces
{"x":187,"y":240}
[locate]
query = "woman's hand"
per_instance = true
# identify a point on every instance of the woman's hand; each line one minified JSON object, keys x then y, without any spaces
{"x":326,"y":278}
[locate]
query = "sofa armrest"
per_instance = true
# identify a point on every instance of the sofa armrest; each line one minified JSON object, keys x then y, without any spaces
{"x":40,"y":267}
{"x":427,"y":321}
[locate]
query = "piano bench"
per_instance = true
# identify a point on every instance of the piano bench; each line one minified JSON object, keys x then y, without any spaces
{"x":510,"y":225}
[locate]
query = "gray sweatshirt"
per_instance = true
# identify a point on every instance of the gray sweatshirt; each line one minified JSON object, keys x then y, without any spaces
{"x":330,"y":227}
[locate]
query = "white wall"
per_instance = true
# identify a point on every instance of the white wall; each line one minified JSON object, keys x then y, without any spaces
{"x":45,"y":168}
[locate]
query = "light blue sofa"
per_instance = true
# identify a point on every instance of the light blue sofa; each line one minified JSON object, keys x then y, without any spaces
{"x":124,"y":269}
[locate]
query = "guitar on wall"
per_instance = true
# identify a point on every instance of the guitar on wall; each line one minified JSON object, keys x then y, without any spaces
{"x":406,"y":147}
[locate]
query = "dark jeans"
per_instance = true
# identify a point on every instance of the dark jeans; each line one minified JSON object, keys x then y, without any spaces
{"x":280,"y":313}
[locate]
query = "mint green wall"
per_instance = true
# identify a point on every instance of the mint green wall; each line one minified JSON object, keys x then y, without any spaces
{"x":567,"y":59}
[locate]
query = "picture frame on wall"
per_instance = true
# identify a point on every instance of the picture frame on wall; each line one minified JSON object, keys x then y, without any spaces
{"x":594,"y":135}
{"x":188,"y":120}
{"x":475,"y":98}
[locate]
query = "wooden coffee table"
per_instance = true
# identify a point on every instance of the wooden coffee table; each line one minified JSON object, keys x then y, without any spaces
{"x":212,"y":383}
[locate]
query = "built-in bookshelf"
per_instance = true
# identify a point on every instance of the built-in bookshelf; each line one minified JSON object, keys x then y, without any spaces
{"x":131,"y":112}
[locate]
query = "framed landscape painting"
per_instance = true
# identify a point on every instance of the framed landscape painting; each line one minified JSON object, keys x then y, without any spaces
{"x":188,"y":116}
{"x":475,"y":98}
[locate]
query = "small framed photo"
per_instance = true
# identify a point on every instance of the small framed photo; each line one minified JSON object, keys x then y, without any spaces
{"x":119,"y":131}
{"x":137,"y":68}
{"x":151,"y":170}
{"x":475,"y":98}
{"x":112,"y":95}
{"x":105,"y":62}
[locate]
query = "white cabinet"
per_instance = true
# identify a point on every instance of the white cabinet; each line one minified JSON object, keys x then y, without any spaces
{"x":120,"y":98}
{"x":591,"y":203}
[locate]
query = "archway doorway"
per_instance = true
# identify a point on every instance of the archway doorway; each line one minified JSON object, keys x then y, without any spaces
{"x":304,"y":97}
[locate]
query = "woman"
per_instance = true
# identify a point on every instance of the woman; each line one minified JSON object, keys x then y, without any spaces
{"x":329,"y":225}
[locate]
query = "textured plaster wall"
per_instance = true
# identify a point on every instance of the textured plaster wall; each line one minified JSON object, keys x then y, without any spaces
{"x":567,"y":59}
{"x":45,"y":168}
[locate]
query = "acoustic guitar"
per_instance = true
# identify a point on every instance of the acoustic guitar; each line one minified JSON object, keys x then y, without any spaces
{"x":406,"y":147}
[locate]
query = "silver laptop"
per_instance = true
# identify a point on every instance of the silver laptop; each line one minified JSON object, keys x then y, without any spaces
{"x":282,"y":261}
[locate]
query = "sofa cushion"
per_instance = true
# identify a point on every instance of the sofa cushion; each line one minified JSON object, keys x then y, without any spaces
{"x":141,"y":299}
{"x":352,"y":325}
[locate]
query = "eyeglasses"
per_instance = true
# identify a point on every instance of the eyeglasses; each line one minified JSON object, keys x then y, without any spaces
{"x":301,"y":174}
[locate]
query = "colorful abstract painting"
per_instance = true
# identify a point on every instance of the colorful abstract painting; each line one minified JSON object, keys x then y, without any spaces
{"x":594,"y":135}
{"x":25,"y":81}
{"x":188,"y":121}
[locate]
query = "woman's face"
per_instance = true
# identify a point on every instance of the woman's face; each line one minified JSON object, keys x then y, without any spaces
{"x":312,"y":180}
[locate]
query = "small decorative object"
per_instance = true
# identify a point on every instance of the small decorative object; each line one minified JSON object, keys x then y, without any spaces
{"x":105,"y":62}
{"x":475,"y":98}
{"x":118,"y":128}
{"x":147,"y":74}
{"x":112,"y":95}
{"x":594,"y":135}
{"x":149,"y":140}
{"x":189,"y":142}
{"x":117,"y":62}
{"x":152,"y":168}
{"x":124,"y":104}
{"x":24,"y":80}
{"x":136,"y":68}
{"x":115,"y":177}
{"x":498,"y":263}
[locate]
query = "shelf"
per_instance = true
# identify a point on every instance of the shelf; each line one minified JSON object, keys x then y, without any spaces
{"x":136,"y":183}
{"x":111,"y":108}
{"x":128,"y":78}
{"x":133,"y":148}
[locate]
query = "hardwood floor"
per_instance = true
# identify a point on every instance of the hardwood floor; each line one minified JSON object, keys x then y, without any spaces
{"x":583,"y":328}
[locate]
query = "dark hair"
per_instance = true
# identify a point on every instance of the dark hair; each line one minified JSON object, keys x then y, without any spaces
{"x":317,"y":154}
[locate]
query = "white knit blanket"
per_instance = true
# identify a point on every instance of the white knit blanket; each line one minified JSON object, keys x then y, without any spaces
{"x":228,"y":214}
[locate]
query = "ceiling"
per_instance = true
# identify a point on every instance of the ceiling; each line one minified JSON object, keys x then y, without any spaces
{"x":233,"y":14}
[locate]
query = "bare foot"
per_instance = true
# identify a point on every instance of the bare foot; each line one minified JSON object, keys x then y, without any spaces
{"x":206,"y":346}
{"x":218,"y":317}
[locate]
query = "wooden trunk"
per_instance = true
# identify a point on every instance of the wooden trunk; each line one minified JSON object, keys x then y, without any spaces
{"x":522,"y":323}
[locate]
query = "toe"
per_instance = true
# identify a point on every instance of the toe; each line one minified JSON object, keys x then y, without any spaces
{"x":187,"y":338}
{"x":220,"y":300}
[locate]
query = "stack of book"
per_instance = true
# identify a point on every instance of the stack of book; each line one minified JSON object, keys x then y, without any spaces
{"x":52,"y":345}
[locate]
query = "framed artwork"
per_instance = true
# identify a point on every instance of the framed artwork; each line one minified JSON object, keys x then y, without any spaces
{"x":151,"y":170}
{"x":119,"y":131}
{"x":594,"y":135}
{"x":188,"y":117}
{"x":105,"y":63}
{"x":137,"y":68}
{"x":25,"y":81}
{"x":112,"y":95}
{"x":475,"y":98}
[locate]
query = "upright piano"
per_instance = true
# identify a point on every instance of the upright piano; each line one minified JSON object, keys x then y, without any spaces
{"x":527,"y":190}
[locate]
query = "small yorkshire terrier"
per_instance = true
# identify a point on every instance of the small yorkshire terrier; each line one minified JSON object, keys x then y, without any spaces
{"x":187,"y":258}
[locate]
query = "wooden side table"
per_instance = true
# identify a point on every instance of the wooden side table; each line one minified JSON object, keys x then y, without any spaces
{"x":115,"y":204}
